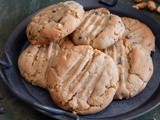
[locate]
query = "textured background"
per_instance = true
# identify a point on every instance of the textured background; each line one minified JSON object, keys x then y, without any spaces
{"x":12,"y":12}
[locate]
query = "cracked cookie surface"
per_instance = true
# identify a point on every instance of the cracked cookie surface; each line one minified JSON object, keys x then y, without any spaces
{"x":100,"y":29}
{"x":82,"y":80}
{"x":135,"y":67}
{"x":34,"y":61}
{"x":55,"y":22}
{"x":139,"y":32}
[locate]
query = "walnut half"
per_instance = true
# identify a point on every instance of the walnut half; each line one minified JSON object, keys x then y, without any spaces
{"x":141,"y":5}
{"x":151,"y":5}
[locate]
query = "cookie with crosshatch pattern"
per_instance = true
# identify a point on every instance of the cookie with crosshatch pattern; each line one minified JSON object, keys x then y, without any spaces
{"x":33,"y":63}
{"x":82,"y":80}
{"x":135,"y":67}
{"x":100,"y":29}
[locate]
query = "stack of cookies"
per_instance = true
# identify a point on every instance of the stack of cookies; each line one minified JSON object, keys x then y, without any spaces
{"x":87,"y":59}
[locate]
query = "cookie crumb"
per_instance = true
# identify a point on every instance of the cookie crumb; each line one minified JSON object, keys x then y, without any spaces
{"x":141,"y":5}
{"x":158,"y":9}
{"x":151,"y":5}
{"x":74,"y":112}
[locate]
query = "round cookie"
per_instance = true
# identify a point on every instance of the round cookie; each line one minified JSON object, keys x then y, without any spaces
{"x":139,"y":32}
{"x":82,"y":80}
{"x":55,"y":22}
{"x":100,"y":29}
{"x":135,"y":67}
{"x":34,"y":61}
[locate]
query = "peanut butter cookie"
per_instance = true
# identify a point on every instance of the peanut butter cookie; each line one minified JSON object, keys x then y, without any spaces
{"x":55,"y":22}
{"x":82,"y":80}
{"x":34,"y":61}
{"x":135,"y":67}
{"x":100,"y":29}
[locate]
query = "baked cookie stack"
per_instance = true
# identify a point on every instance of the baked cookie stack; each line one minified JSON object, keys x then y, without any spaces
{"x":87,"y":59}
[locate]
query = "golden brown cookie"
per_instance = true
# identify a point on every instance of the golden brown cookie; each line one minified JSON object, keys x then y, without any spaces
{"x":100,"y":29}
{"x":82,"y":80}
{"x":135,"y":67}
{"x":34,"y":61}
{"x":139,"y":32}
{"x":55,"y":22}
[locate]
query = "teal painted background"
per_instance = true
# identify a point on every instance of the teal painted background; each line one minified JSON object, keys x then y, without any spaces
{"x":12,"y":12}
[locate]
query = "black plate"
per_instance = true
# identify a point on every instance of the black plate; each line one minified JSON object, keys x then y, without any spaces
{"x":38,"y":98}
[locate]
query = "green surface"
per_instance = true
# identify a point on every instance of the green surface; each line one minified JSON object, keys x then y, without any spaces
{"x":12,"y":12}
